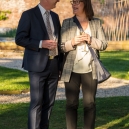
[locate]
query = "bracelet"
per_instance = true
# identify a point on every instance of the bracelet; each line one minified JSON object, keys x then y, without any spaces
{"x":74,"y":46}
{"x":90,"y":41}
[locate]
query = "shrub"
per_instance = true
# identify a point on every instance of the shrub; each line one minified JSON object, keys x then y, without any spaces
{"x":3,"y":15}
{"x":10,"y":33}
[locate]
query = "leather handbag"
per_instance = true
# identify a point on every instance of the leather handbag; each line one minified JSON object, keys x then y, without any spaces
{"x":102,"y":73}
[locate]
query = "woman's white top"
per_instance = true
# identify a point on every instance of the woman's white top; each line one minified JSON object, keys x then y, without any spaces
{"x":82,"y":63}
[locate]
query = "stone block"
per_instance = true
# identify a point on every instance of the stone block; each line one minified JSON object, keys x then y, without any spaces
{"x":118,"y":45}
{"x":10,"y":46}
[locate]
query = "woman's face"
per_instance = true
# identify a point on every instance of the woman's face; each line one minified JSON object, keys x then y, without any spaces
{"x":78,"y":6}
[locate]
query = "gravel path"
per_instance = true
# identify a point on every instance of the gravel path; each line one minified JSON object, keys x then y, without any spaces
{"x":111,"y":87}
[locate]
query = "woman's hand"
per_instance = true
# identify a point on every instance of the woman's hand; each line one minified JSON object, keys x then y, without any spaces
{"x":81,"y":38}
{"x":77,"y":40}
{"x":86,"y":37}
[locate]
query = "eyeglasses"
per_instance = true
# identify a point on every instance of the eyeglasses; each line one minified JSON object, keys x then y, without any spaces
{"x":76,"y":2}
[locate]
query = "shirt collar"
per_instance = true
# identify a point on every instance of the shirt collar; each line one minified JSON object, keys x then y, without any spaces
{"x":42,"y":9}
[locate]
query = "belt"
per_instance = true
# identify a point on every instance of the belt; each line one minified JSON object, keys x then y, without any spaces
{"x":52,"y":57}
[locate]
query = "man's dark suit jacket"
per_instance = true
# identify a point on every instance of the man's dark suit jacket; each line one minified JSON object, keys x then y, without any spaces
{"x":30,"y":31}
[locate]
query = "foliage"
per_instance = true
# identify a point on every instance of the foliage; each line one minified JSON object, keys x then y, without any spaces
{"x":102,"y":1}
{"x":112,"y":113}
{"x":10,"y":33}
{"x":3,"y":15}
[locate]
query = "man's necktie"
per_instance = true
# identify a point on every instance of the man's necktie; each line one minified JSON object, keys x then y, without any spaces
{"x":49,"y":30}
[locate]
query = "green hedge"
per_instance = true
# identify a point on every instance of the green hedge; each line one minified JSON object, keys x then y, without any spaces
{"x":10,"y":33}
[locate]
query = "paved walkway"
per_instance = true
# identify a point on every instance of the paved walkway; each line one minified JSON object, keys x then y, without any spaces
{"x":111,"y":87}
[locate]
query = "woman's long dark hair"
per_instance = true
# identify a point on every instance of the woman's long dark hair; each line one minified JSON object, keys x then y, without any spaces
{"x":88,"y":9}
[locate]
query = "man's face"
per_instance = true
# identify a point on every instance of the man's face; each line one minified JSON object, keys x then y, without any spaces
{"x":52,"y":3}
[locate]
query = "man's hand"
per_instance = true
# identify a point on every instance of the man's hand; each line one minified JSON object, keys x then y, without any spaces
{"x":49,"y":44}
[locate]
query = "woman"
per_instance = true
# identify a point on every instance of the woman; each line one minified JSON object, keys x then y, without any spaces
{"x":79,"y":66}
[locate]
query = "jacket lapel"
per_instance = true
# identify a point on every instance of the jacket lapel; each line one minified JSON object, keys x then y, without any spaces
{"x":73,"y":28}
{"x":92,"y":28}
{"x":40,"y":18}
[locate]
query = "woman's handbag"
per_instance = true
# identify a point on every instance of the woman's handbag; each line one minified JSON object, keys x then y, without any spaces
{"x":102,"y":73}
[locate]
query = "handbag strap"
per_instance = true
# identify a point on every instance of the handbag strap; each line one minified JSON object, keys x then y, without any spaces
{"x":78,"y":24}
{"x":81,"y":30}
{"x":98,"y":64}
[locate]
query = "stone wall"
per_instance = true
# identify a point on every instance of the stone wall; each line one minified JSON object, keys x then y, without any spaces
{"x":18,"y":6}
{"x":63,"y":8}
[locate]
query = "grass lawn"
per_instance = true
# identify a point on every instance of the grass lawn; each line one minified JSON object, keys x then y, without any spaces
{"x":117,"y":62}
{"x":11,"y":79}
{"x":112,"y":113}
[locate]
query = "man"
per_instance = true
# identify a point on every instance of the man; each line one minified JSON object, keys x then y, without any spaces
{"x":37,"y":30}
